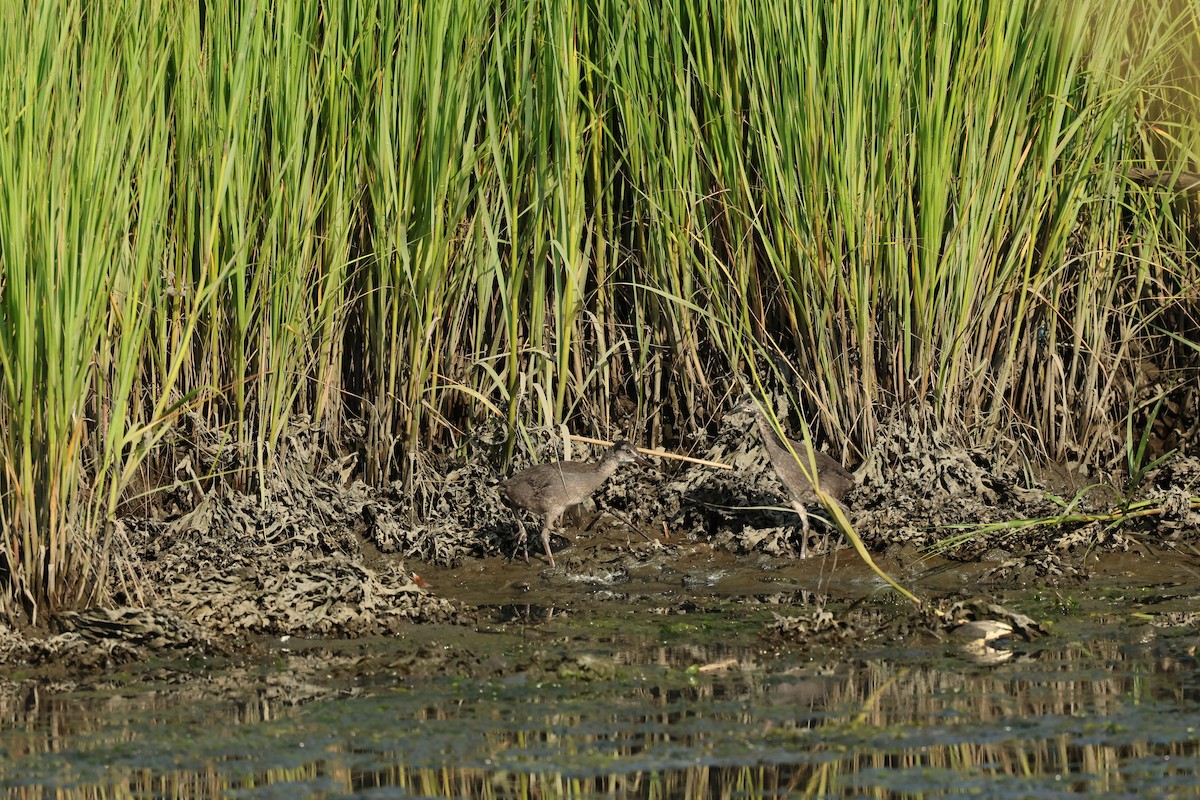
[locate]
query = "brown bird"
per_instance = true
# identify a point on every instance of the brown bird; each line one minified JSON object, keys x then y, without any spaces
{"x":551,"y":489}
{"x":834,"y":479}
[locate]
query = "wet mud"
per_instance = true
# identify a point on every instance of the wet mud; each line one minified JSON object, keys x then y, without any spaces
{"x":209,"y":578}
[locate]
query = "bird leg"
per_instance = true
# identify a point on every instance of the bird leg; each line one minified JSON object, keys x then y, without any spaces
{"x":804,"y":527}
{"x":550,"y":520}
{"x":546,"y":544}
{"x":522,"y":540}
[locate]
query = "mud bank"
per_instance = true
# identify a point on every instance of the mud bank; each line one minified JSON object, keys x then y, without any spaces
{"x":211,"y":576}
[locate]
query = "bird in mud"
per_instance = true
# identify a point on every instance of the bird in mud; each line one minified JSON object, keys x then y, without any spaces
{"x":551,"y":489}
{"x":834,"y":479}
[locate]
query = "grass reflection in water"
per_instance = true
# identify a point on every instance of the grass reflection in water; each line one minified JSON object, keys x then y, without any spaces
{"x":1100,"y":719}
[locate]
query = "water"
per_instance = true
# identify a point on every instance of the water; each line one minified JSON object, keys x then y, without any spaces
{"x":620,"y":702}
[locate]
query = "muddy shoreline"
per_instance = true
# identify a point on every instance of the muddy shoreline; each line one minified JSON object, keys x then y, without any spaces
{"x":225,"y":579}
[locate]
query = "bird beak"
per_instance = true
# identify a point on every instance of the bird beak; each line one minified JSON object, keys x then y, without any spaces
{"x":641,"y":459}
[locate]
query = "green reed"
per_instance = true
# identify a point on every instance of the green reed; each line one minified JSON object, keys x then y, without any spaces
{"x":411,"y":220}
{"x":81,"y":177}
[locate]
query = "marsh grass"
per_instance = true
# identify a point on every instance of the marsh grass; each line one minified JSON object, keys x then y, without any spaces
{"x":411,"y":220}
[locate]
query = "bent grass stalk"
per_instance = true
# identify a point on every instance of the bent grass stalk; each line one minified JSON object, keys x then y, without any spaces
{"x":807,"y":462}
{"x":1136,"y":510}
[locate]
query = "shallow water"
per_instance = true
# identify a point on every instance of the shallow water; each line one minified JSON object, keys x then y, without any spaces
{"x":653,"y":684}
{"x":629,"y":696}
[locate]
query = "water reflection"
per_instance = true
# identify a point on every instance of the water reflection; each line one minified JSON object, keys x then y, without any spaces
{"x":1098,"y":718}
